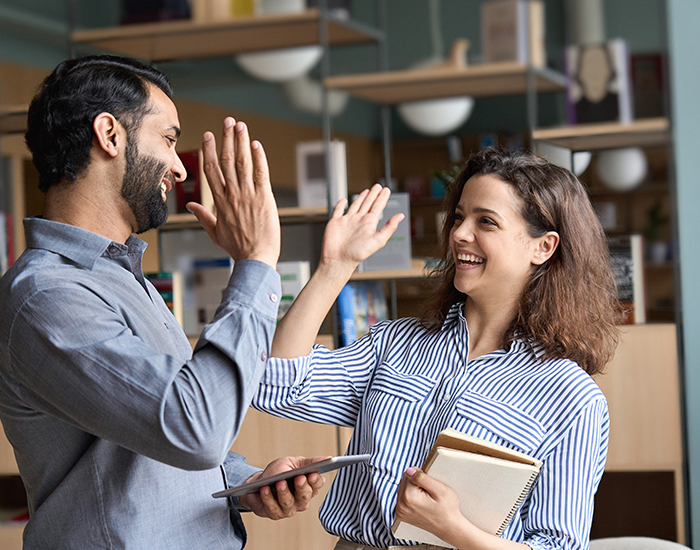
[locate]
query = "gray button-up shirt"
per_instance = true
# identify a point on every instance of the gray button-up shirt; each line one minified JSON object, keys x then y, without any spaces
{"x":121,"y":433}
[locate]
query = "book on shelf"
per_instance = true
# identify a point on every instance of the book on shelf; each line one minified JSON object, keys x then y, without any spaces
{"x":396,"y":253}
{"x":491,"y":480}
{"x":7,"y":256}
{"x":293,"y":276}
{"x":194,"y":188}
{"x":627,"y":263}
{"x":361,"y":305}
{"x":13,"y":515}
{"x":169,"y":285}
{"x":598,"y":85}
{"x":145,"y":11}
{"x":513,"y":30}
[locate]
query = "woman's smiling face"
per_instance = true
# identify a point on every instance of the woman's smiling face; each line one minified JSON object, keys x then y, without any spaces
{"x":492,"y":249}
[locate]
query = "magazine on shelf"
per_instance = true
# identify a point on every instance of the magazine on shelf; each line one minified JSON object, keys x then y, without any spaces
{"x":361,"y":305}
{"x":293,"y":275}
{"x":627,"y":262}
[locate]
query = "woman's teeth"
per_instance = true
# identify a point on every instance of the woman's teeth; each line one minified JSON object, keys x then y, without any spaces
{"x":469,"y":259}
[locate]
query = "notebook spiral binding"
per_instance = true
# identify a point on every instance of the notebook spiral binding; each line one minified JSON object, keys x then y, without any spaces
{"x":518,"y":503}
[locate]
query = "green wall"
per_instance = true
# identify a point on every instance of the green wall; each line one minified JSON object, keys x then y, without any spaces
{"x":684,"y":50}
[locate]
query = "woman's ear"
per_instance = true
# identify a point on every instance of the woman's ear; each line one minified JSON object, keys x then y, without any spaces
{"x":109,"y":133}
{"x":546,"y":245}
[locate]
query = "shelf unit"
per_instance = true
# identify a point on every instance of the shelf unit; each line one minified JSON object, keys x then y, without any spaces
{"x":649,"y":132}
{"x":486,"y":80}
{"x":168,"y":41}
{"x":287,"y":215}
{"x":13,"y":119}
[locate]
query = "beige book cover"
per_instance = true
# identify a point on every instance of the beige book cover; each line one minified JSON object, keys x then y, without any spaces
{"x":491,"y":481}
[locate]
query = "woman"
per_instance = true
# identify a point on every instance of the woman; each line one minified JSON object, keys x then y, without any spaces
{"x":524,"y":313}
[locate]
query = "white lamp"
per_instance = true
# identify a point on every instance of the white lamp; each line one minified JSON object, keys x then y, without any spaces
{"x":280,"y":65}
{"x":306,"y":94}
{"x":622,"y":169}
{"x":581,"y":160}
{"x":283,"y":64}
{"x":436,"y":117}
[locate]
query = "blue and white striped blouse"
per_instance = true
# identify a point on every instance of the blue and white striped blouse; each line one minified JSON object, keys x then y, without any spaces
{"x":400,"y":385}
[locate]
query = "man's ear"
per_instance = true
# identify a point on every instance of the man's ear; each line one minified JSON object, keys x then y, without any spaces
{"x":109,"y":133}
{"x":546,"y":246}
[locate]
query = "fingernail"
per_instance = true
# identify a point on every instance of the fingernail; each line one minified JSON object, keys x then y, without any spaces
{"x":265,"y":490}
{"x":207,"y":136}
{"x":240,"y":126}
{"x":255,"y":145}
{"x":228,"y":122}
{"x":410,"y":471}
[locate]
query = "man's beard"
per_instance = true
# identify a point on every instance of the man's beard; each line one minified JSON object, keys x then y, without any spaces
{"x":141,"y":188}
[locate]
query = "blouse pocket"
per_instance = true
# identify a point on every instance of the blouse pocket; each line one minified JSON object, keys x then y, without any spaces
{"x":411,"y":387}
{"x":507,"y":422}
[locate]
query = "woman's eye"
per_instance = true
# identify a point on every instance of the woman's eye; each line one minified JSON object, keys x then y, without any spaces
{"x":487,"y":221}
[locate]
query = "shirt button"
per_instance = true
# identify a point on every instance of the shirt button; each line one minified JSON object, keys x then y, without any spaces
{"x":446,"y":397}
{"x":273,"y":298}
{"x":263,"y":356}
{"x":113,"y":249}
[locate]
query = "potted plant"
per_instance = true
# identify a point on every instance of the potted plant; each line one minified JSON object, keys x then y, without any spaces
{"x":656,"y":245}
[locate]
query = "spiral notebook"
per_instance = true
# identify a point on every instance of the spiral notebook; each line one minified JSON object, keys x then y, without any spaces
{"x":491,"y":481}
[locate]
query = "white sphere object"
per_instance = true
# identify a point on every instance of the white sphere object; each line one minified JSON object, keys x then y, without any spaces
{"x":280,"y":65}
{"x":436,"y":117}
{"x":581,"y":160}
{"x":622,"y":169}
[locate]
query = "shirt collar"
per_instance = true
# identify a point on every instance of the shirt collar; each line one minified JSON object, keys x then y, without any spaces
{"x":75,"y":243}
{"x":519,"y":345}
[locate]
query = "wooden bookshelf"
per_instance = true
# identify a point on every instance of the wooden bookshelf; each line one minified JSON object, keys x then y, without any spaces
{"x":171,"y":40}
{"x":416,"y":271}
{"x":649,"y":132}
{"x":13,"y":119}
{"x":287,"y":215}
{"x":486,"y":80}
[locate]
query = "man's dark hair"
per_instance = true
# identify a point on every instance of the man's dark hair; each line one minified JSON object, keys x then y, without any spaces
{"x":59,"y":123}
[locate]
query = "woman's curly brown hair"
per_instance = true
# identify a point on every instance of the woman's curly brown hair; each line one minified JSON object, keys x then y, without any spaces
{"x":570,"y":305}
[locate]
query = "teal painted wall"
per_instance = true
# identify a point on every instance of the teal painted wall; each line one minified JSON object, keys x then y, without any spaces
{"x":684,"y":50}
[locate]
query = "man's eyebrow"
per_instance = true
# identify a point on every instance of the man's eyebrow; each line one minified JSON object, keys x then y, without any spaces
{"x":176,"y":130}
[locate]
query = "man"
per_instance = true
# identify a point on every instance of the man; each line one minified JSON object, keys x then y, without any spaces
{"x":121,"y":433}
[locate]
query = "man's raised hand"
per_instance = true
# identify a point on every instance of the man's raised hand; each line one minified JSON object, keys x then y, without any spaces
{"x":246,"y":224}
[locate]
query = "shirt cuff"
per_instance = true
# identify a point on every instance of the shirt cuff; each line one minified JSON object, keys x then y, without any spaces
{"x":237,"y":471}
{"x":256,"y":284}
{"x":286,"y":373}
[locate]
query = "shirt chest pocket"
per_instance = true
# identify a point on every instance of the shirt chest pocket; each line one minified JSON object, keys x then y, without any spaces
{"x":485,"y":418}
{"x":407,"y":387}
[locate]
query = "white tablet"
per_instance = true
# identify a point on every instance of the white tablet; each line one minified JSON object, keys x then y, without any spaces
{"x":319,"y":467}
